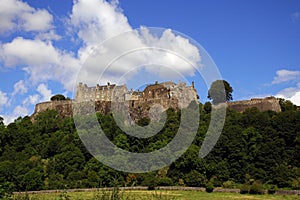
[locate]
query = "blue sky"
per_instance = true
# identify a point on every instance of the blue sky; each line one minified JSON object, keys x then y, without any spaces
{"x":255,"y":44}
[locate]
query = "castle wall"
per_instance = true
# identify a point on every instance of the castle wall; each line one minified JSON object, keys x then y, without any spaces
{"x":269,"y":103}
{"x":64,"y":107}
{"x":167,"y":95}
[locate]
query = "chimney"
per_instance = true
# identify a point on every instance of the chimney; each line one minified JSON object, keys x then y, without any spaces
{"x":193,"y":84}
{"x":108,"y":83}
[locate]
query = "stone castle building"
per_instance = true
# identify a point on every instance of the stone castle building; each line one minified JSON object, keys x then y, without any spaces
{"x":162,"y":95}
{"x":168,"y":94}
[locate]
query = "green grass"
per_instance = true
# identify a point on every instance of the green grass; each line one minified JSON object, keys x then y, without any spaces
{"x":156,"y":195}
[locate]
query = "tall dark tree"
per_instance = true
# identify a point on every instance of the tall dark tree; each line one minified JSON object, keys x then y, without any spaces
{"x":220,"y":91}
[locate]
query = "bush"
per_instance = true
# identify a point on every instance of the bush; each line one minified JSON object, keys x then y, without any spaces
{"x":256,"y":188}
{"x":195,"y":179}
{"x":209,"y":187}
{"x":6,"y":190}
{"x":150,"y":182}
{"x":165,"y":182}
{"x":229,"y":184}
{"x":245,"y":188}
{"x":58,"y":97}
{"x":272,"y":189}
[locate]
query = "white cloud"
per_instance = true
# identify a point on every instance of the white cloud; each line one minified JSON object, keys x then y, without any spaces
{"x":29,"y":52}
{"x":3,"y":99}
{"x":39,"y":20}
{"x":41,"y":60}
{"x":31,"y":99}
{"x":97,"y":20}
{"x":15,"y":14}
{"x":17,"y":112}
{"x":45,"y":92}
{"x":291,"y":93}
{"x":19,"y":88}
{"x":49,"y":36}
{"x":285,"y":76}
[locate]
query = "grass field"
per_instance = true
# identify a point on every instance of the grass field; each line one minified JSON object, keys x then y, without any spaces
{"x":153,"y":195}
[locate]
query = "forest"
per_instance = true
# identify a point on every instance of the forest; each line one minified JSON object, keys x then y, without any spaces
{"x":255,"y":148}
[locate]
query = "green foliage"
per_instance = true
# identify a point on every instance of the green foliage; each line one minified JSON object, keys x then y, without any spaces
{"x":245,"y":188}
{"x":6,"y":189}
{"x":58,"y":97}
{"x":209,"y":187}
{"x":287,"y":105}
{"x":220,"y":91}
{"x":64,"y":195}
{"x":272,"y":189}
{"x":229,"y":184}
{"x":48,"y":154}
{"x":256,"y":188}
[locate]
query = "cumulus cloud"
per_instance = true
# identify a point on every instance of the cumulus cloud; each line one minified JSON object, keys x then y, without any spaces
{"x":41,"y":60}
{"x":19,"y":88}
{"x":45,"y":92}
{"x":291,"y":93}
{"x":15,"y":14}
{"x":48,"y":36}
{"x":3,"y":99}
{"x":97,"y":20}
{"x":17,"y":112}
{"x":285,"y":76}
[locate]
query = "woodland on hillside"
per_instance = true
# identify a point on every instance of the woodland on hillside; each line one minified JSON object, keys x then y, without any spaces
{"x":255,"y":147}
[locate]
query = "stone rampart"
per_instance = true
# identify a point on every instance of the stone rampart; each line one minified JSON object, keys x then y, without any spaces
{"x":262,"y":104}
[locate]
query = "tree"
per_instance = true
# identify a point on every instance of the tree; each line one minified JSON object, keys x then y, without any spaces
{"x":58,"y":97}
{"x":287,"y":105}
{"x":220,"y":91}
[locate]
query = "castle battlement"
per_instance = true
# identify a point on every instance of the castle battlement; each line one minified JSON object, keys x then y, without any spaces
{"x":166,"y":92}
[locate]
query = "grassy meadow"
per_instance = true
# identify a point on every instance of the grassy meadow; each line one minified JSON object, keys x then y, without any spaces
{"x":150,"y":195}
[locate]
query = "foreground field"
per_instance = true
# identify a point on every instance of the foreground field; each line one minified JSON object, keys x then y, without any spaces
{"x":153,"y":195}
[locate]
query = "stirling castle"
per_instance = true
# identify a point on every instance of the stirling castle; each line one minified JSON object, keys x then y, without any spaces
{"x":157,"y":95}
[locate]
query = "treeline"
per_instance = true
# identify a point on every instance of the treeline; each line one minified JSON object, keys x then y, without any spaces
{"x":255,"y":147}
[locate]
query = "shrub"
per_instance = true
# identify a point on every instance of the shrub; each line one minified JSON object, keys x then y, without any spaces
{"x":209,"y":187}
{"x":150,"y":182}
{"x":229,"y":184}
{"x":58,"y":97}
{"x":245,"y":188}
{"x":256,"y":188}
{"x":6,"y":190}
{"x":165,"y":181}
{"x":272,"y":189}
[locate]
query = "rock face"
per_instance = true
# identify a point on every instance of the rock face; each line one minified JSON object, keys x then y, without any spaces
{"x":268,"y":103}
